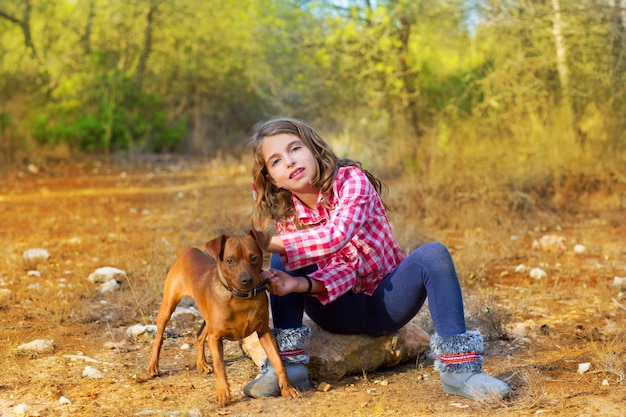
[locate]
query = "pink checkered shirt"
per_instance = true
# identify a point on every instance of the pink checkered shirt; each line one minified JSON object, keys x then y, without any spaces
{"x":351,"y":243}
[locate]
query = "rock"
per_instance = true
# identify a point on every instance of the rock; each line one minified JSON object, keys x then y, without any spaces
{"x":583,"y":367}
{"x":91,"y":372}
{"x":109,"y":286}
{"x":336,"y":355}
{"x":550,"y":243}
{"x":108,"y":277}
{"x":619,"y":281}
{"x":33,"y":169}
{"x":34,"y":256}
{"x":139,"y":332}
{"x":538,"y":273}
{"x":24,"y":410}
{"x":5,"y":293}
{"x":37,"y":346}
{"x":106,"y":273}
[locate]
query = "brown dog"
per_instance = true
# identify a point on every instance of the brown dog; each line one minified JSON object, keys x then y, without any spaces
{"x":229,"y":293}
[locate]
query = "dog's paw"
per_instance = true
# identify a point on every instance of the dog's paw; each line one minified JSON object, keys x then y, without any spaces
{"x":153,"y":370}
{"x":204,"y":368}
{"x":222,"y":393}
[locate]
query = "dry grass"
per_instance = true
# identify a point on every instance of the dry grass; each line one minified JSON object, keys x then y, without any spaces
{"x":139,"y":222}
{"x":610,"y":357}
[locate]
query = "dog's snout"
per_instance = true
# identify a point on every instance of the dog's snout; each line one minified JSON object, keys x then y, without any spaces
{"x":246,"y":280}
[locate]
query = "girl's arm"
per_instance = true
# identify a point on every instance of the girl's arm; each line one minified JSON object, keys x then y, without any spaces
{"x":276,"y":245}
{"x":281,"y":283}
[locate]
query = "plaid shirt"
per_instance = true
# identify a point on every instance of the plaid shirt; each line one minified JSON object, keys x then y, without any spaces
{"x":351,"y":242}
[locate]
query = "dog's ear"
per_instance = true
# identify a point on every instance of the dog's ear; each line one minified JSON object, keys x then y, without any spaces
{"x":215,"y":247}
{"x":263,"y":239}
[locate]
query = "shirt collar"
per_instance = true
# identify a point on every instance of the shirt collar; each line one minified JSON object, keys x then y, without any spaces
{"x":308,"y":215}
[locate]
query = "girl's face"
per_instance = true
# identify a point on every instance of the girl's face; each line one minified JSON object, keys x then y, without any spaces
{"x":290,"y":164}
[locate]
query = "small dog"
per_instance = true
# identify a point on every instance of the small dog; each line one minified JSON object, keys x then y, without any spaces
{"x":230,"y":295}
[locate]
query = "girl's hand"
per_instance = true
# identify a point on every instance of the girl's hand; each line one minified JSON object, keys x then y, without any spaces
{"x":280,"y":282}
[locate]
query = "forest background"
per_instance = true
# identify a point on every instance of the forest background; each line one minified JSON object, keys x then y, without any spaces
{"x":520,"y":94}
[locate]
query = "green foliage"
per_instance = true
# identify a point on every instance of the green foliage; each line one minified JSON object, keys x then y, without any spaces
{"x":117,"y":118}
{"x":401,"y":84}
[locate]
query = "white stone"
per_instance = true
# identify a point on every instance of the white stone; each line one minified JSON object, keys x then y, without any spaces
{"x":109,"y":286}
{"x":139,"y":332}
{"x":550,"y":243}
{"x":4,"y":293}
{"x":36,"y":254}
{"x":24,"y":410}
{"x":37,"y":346}
{"x":91,"y":372}
{"x":107,"y":273}
{"x":538,"y":273}
{"x":583,"y":367}
{"x":619,"y":281}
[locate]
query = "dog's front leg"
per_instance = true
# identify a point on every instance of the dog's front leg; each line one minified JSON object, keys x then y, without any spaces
{"x":222,"y":389}
{"x":271,"y":350}
{"x":201,"y":364}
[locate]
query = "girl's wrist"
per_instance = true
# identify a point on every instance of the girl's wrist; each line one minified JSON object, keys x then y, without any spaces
{"x":309,"y":284}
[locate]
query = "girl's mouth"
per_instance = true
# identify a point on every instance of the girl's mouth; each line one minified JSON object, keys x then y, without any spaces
{"x":296,"y":173}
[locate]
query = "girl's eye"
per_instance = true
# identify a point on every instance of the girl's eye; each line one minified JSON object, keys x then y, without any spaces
{"x":274,"y":162}
{"x":296,"y":148}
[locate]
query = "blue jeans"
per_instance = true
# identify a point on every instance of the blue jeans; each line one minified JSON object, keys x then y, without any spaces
{"x":427,"y":272}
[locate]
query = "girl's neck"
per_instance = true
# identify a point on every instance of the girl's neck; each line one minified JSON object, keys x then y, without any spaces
{"x":309,"y":199}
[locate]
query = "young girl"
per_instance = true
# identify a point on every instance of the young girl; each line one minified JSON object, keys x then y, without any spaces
{"x":344,"y":268}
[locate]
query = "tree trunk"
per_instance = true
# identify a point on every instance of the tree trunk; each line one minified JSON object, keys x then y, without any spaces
{"x":411,"y":145}
{"x":85,"y":40}
{"x":619,"y":44}
{"x":24,"y":24}
{"x":563,"y":71}
{"x":147,"y":45}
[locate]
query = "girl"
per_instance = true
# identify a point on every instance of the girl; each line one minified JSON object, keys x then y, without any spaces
{"x":345,"y":269}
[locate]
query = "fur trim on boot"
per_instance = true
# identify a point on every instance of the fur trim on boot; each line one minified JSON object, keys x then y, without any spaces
{"x":291,"y":347}
{"x":460,"y":353}
{"x":292,"y":344}
{"x":459,"y":362}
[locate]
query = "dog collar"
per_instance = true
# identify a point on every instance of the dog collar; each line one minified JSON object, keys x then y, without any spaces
{"x":246,"y":294}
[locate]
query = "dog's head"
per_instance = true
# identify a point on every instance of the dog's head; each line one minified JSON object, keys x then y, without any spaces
{"x":240,"y":258}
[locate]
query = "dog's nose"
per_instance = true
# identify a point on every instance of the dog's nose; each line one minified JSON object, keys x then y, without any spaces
{"x":246,"y":280}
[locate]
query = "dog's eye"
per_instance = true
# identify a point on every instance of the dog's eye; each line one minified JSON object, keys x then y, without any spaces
{"x":230,"y":261}
{"x":254,"y":259}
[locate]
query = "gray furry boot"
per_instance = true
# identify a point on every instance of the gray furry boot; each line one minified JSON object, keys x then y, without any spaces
{"x":459,"y":362}
{"x":291,"y":344}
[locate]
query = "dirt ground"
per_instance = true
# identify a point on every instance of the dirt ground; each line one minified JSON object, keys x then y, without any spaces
{"x":138,"y":216}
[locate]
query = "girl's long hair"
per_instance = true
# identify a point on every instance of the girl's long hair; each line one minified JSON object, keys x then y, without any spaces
{"x":274,"y":203}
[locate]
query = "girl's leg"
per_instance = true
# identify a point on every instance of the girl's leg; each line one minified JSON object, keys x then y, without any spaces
{"x":427,"y":272}
{"x":459,"y":352}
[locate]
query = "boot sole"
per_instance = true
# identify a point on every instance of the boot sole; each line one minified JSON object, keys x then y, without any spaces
{"x":448,"y":389}
{"x":250,"y":392}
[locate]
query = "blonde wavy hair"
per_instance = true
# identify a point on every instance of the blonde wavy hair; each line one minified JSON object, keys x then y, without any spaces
{"x":274,"y":203}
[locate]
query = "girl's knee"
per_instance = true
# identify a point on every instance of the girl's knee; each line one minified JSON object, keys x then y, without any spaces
{"x":433,"y":250}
